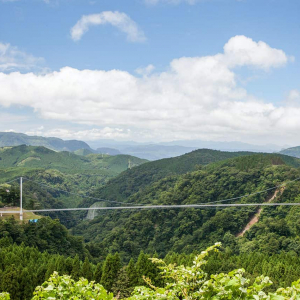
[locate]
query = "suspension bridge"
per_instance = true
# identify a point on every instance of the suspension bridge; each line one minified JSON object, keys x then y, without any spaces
{"x":133,"y":206}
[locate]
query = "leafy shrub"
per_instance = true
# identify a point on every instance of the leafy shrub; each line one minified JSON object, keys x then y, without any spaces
{"x":192,"y":283}
{"x":182,"y":283}
{"x":65,"y":288}
{"x":4,"y":296}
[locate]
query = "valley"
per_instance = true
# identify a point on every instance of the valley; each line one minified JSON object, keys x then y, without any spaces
{"x":128,"y":238}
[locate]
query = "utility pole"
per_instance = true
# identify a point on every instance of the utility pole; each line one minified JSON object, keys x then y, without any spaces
{"x":21,"y":198}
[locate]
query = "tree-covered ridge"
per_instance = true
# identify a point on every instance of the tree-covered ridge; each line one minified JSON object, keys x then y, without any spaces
{"x":63,"y":171}
{"x":258,"y":160}
{"x":136,"y":179}
{"x":187,"y":230}
{"x":41,"y":157}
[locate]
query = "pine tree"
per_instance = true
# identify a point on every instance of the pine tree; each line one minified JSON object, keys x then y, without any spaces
{"x":98,"y":273}
{"x":69,"y":265}
{"x":10,"y":282}
{"x":132,"y":274}
{"x":60,"y":265}
{"x":51,"y":268}
{"x":142,"y":267}
{"x":76,"y":268}
{"x":40,"y":273}
{"x":121,"y":287}
{"x":87,"y":270}
{"x":110,"y":271}
{"x":145,"y":267}
{"x":26,"y":285}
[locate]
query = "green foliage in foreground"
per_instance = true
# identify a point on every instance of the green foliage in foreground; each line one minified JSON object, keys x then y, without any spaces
{"x":64,"y":288}
{"x":181,"y":282}
{"x":194,"y":283}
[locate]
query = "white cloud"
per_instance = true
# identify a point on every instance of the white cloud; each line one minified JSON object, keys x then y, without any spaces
{"x":86,"y":134}
{"x":294,"y":95}
{"x":198,"y":97}
{"x":145,"y":71}
{"x":293,"y":98}
{"x":243,"y":51}
{"x":11,"y":58}
{"x":117,"y":19}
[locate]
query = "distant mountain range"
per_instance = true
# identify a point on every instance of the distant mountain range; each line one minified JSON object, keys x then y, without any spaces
{"x":155,"y":151}
{"x":17,"y":139}
{"x":149,"y":151}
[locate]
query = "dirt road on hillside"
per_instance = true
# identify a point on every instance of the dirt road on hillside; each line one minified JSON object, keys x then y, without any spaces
{"x":255,"y":218}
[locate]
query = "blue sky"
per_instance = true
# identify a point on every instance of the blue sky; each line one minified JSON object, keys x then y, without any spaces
{"x":259,"y":87}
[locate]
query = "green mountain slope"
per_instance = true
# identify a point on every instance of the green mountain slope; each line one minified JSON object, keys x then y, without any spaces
{"x":83,"y":152}
{"x":134,"y":180}
{"x":64,"y":171}
{"x":41,"y":157}
{"x":294,"y":151}
{"x":186,"y":230}
{"x":16,"y":139}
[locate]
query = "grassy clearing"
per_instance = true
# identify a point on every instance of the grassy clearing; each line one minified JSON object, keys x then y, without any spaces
{"x":26,"y":215}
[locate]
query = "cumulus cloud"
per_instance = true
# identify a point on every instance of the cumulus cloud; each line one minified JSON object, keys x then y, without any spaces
{"x":198,"y":97}
{"x":117,"y":19}
{"x":243,"y":51}
{"x":11,"y":58}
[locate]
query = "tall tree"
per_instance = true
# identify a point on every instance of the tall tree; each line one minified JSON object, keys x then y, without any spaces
{"x":111,"y":268}
{"x":87,"y":270}
{"x":145,"y":267}
{"x":132,"y":274}
{"x":26,"y":285}
{"x":121,"y":287}
{"x":10,"y":282}
{"x":76,"y":269}
{"x":98,"y":273}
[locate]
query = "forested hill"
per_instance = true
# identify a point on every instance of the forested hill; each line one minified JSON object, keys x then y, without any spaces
{"x":41,"y":157}
{"x":294,"y":151}
{"x":135,"y":179}
{"x":16,"y":139}
{"x":57,"y":176}
{"x":186,"y":230}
